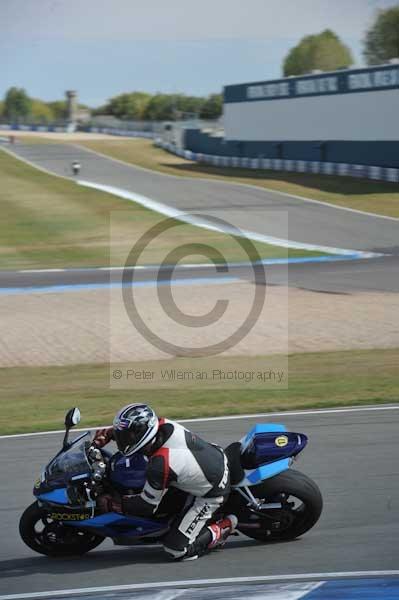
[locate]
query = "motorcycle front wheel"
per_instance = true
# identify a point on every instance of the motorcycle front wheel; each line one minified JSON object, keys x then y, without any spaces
{"x":301,"y":506}
{"x":52,"y":538}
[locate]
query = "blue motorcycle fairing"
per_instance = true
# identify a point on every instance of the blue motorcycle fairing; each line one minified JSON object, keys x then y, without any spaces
{"x":109,"y":524}
{"x":254,"y":476}
{"x":268,"y":448}
{"x":261,"y":428}
{"x":117,"y":525}
{"x":267,"y":443}
{"x":58,"y":496}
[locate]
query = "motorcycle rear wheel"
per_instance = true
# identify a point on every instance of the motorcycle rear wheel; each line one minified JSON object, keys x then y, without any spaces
{"x":302,"y":505}
{"x":52,"y":538}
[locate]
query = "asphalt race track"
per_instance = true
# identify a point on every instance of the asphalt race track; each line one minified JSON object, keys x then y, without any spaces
{"x":376,"y":274}
{"x":247,"y":207}
{"x":350,"y":455}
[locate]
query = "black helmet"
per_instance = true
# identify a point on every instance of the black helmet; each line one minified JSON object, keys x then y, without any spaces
{"x":135,"y":426}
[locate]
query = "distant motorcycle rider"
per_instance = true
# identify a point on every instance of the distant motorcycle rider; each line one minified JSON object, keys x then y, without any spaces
{"x":177,"y":458}
{"x":76,"y":167}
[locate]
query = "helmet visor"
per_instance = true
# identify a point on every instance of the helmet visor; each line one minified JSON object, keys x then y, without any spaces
{"x":127,"y":439}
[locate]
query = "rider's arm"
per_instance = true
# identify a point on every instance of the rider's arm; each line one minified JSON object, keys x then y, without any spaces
{"x":103,"y":437}
{"x":159,"y":477}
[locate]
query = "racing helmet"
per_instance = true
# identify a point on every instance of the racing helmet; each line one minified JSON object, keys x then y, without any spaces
{"x":135,"y":425}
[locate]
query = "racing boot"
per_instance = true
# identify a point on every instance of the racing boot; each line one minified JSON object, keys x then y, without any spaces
{"x":221,"y":530}
{"x":211,"y":536}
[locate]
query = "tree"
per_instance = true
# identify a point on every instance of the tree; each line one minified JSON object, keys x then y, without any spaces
{"x":382,"y":39}
{"x":324,"y":52}
{"x":212,"y":107}
{"x":161,"y":107}
{"x":59,"y":109}
{"x":41,"y":112}
{"x":17,"y":104}
{"x":129,"y":106}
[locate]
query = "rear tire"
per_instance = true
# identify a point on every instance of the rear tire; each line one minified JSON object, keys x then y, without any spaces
{"x":51,"y":538}
{"x":302,"y":506}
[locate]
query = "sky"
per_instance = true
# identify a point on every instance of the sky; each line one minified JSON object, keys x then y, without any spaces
{"x":105,"y":47}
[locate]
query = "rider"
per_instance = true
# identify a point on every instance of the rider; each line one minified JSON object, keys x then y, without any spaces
{"x":76,"y":167}
{"x":178,"y":458}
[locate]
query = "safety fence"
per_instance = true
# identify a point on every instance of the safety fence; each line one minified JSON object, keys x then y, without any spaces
{"x":280,"y":164}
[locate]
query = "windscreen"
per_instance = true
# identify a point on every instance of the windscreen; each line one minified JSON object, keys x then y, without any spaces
{"x":72,"y":461}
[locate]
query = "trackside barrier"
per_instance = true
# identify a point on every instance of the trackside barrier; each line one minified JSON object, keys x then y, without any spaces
{"x":63,"y":129}
{"x":279,"y":164}
{"x":46,"y":128}
{"x":120,"y":132}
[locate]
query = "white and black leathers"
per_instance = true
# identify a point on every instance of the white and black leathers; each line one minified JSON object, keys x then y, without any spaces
{"x":179,"y":458}
{"x":183,"y":460}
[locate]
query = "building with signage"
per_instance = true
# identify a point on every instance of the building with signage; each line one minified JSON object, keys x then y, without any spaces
{"x":346,"y":116}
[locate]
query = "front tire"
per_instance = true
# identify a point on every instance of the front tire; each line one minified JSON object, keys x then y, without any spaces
{"x":52,"y":538}
{"x":302,"y":504}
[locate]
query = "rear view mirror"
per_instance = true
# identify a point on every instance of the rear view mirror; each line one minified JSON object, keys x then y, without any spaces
{"x":72,"y":418}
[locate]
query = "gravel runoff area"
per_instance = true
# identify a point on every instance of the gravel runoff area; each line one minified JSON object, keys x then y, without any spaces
{"x":75,"y":327}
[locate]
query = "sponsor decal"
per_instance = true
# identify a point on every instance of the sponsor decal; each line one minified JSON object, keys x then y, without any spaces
{"x":281,"y":441}
{"x":57,"y":516}
{"x":225,"y":477}
{"x":202,"y":513}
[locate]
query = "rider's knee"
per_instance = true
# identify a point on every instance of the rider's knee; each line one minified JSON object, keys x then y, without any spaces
{"x":175,"y":553}
{"x":176,"y":544}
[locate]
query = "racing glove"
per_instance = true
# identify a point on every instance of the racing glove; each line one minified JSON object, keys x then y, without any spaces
{"x":103,"y":437}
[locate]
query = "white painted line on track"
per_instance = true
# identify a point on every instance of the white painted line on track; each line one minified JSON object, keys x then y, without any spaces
{"x":297,"y":413}
{"x":41,"y":270}
{"x":170,"y":211}
{"x":238,"y":183}
{"x":198,"y":221}
{"x":264,"y":261}
{"x":187,"y":583}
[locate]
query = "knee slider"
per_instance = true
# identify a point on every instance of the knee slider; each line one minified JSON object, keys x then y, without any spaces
{"x":175,"y":554}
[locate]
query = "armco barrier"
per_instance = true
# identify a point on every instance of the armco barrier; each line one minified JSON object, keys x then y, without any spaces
{"x":278,"y":164}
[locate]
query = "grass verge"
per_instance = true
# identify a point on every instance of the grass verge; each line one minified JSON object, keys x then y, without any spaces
{"x":35,"y":399}
{"x":361,"y":194}
{"x":49,"y":222}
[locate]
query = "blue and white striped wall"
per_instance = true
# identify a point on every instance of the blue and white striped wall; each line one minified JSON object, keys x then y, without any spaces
{"x":62,"y":129}
{"x":297,"y":166}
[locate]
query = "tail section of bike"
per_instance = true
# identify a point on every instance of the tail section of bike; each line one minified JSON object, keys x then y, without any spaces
{"x":272,"y":501}
{"x":267,"y":450}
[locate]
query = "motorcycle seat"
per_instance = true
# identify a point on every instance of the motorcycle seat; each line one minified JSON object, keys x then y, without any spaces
{"x":233,"y":453}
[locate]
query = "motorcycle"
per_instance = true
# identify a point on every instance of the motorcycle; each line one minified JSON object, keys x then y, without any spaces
{"x":272,"y":502}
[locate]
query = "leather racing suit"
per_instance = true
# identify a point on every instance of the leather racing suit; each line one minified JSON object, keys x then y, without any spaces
{"x":179,"y":458}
